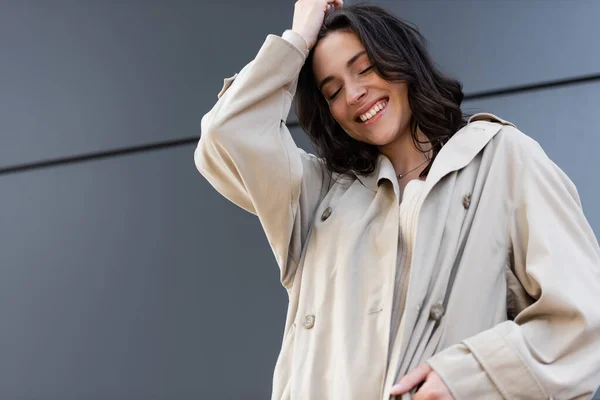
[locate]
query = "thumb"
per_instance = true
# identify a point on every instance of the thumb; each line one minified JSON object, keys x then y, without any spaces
{"x":411,"y":379}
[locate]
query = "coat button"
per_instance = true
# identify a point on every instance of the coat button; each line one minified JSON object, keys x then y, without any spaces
{"x":467,"y":200}
{"x":326,"y":214}
{"x":309,"y":321}
{"x":436,"y":312}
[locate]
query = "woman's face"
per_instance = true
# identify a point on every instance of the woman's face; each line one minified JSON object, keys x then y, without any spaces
{"x":369,"y":108}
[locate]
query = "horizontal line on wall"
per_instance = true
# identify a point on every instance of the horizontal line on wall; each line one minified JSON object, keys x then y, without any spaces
{"x":532,"y":87}
{"x":292,"y":124}
{"x":98,"y":155}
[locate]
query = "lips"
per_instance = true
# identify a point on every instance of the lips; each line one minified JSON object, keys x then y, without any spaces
{"x":369,"y":110}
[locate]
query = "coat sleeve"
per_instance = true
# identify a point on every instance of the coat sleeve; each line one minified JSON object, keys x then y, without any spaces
{"x":552,"y":349}
{"x":246,"y":151}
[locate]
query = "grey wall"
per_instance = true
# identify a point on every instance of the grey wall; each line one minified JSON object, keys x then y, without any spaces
{"x":90,"y":75}
{"x":127,"y":276}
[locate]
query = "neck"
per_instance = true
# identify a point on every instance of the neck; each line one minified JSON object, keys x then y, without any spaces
{"x":404,"y":155}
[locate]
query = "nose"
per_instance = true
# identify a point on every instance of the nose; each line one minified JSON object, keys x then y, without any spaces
{"x":355,"y":93}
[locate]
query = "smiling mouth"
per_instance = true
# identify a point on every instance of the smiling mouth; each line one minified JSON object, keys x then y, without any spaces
{"x":373,"y":112}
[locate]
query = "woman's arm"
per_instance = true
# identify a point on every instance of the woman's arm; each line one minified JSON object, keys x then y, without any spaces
{"x":552,"y":349}
{"x":247,"y":153}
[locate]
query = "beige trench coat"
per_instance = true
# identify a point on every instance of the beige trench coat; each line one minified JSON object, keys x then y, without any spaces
{"x":497,"y":220}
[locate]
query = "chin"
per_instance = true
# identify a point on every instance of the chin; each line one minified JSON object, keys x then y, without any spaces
{"x":382,"y":139}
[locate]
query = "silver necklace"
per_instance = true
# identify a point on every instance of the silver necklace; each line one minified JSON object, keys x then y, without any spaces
{"x":400,"y":176}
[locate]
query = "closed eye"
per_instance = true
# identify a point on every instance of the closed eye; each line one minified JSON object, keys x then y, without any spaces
{"x":333,"y":95}
{"x":366,"y":70}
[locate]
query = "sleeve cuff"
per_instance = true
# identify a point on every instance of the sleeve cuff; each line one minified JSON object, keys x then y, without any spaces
{"x":463,"y":375}
{"x":484,"y":366}
{"x":297,"y":41}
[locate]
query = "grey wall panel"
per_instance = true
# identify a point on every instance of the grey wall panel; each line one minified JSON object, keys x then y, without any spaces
{"x":566,"y":122}
{"x":86,"y":76}
{"x":131,"y":278}
{"x":492,"y":44}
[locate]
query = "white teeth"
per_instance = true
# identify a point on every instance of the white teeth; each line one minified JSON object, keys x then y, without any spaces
{"x":373,"y":111}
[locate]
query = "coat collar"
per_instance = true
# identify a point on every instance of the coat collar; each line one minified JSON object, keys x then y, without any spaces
{"x":457,"y":153}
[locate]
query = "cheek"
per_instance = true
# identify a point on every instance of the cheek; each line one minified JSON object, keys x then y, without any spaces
{"x":338,"y":113}
{"x":401,"y":96}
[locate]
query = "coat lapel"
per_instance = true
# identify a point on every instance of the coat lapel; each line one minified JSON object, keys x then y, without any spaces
{"x":456,"y":153}
{"x":383,"y":170}
{"x":464,"y":146}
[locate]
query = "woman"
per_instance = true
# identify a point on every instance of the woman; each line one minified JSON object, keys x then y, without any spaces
{"x":424,"y":255}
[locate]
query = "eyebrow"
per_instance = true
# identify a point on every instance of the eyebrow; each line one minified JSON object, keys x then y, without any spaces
{"x":349,"y":63}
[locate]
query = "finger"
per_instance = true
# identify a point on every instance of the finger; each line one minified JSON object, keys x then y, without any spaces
{"x":411,"y":379}
{"x":433,"y":388}
{"x":335,"y":3}
{"x":424,"y":391}
{"x":438,"y":387}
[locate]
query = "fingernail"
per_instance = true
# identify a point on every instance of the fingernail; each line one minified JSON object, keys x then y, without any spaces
{"x":398,"y":387}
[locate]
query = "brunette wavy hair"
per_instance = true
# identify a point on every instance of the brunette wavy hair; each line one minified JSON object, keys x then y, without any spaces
{"x":398,"y":53}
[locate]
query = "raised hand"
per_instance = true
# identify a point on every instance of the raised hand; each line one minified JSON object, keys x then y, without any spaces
{"x":308,"y":17}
